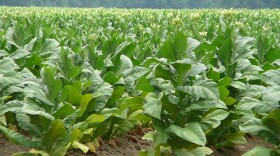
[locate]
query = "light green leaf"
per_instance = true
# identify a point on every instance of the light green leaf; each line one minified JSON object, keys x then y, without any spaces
{"x":61,"y":151}
{"x":84,"y":103}
{"x":198,"y":91}
{"x":199,"y":151}
{"x":272,"y":121}
{"x":125,"y":66}
{"x":224,"y":92}
{"x":180,"y":44}
{"x":12,"y":106}
{"x":19,"y":54}
{"x":32,"y":108}
{"x":191,"y":132}
{"x":258,"y":151}
{"x":91,"y":120}
{"x":49,"y":47}
{"x":272,"y":55}
{"x":55,"y":132}
{"x":213,"y":119}
{"x":167,"y":51}
{"x":54,"y":85}
{"x":144,"y":85}
{"x":19,"y":139}
{"x":80,"y":146}
{"x":192,"y":44}
{"x":153,"y":105}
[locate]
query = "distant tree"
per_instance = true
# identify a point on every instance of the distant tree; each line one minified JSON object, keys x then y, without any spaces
{"x":148,"y":3}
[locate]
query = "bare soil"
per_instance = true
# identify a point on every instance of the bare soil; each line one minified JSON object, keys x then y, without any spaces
{"x":129,"y":145}
{"x":238,"y":150}
{"x":7,"y":148}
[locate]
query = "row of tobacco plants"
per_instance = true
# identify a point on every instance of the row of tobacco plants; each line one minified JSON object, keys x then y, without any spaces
{"x":200,"y":78}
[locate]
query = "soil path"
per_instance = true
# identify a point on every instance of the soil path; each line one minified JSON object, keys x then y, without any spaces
{"x":129,"y":145}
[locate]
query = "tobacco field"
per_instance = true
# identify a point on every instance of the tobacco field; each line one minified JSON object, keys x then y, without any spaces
{"x":201,"y":79}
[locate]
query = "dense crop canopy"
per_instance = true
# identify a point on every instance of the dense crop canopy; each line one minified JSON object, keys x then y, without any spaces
{"x":200,"y":78}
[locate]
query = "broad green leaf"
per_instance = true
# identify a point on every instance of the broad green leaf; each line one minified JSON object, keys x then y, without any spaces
{"x":34,"y":59}
{"x":235,"y":139}
{"x":148,"y":136}
{"x":25,"y":124}
{"x":125,"y":66}
{"x":207,"y":105}
{"x":272,"y":121}
{"x":213,"y":119}
{"x":25,"y":154}
{"x":259,"y":151}
{"x":74,"y":95}
{"x":198,"y":91}
{"x":153,"y":105}
{"x":3,"y":53}
{"x":180,"y":44}
{"x":19,"y":139}
{"x":61,"y":151}
{"x":111,"y":78}
{"x":7,"y":65}
{"x":192,"y":44}
{"x":29,"y":46}
{"x":272,"y":94}
{"x":214,"y":75}
{"x":84,"y":104}
{"x":19,"y":54}
{"x":192,"y":132}
{"x":116,"y":95}
{"x":198,"y":151}
{"x":272,"y":77}
{"x":167,"y":51}
{"x":54,"y":85}
{"x":238,"y":85}
{"x":136,"y":73}
{"x":80,"y":146}
{"x":253,"y":91}
{"x":225,"y":81}
{"x":133,"y":103}
{"x":225,"y":53}
{"x":229,"y":101}
{"x":144,"y":85}
{"x":63,"y":111}
{"x":256,"y":127}
{"x":91,"y":120}
{"x":182,"y":69}
{"x":12,"y":106}
{"x":102,"y":94}
{"x":224,"y":92}
{"x":33,"y":108}
{"x":160,"y":138}
{"x":197,"y":69}
{"x":242,"y":47}
{"x":272,"y":55}
{"x":257,"y":106}
{"x":55,"y":132}
{"x":108,"y":112}
{"x":49,"y":47}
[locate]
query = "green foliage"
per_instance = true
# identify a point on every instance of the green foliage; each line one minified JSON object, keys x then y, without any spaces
{"x":71,"y":76}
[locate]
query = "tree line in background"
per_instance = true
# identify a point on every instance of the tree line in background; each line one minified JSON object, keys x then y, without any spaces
{"x":176,"y":4}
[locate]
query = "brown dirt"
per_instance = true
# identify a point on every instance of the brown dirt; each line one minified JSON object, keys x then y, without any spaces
{"x":238,"y":150}
{"x":7,"y":148}
{"x":129,"y":145}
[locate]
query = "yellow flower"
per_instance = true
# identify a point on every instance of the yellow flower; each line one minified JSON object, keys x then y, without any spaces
{"x":177,"y":21}
{"x":265,"y":28}
{"x":203,"y":33}
{"x":195,"y":15}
